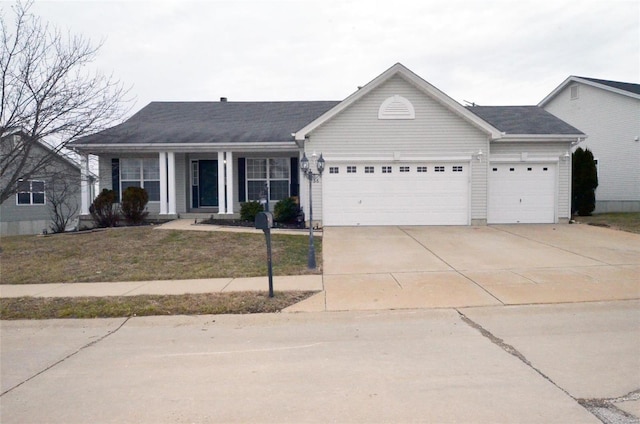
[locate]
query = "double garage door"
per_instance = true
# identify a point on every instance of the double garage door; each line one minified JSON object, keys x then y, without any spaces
{"x":396,"y":194}
{"x":522,"y":193}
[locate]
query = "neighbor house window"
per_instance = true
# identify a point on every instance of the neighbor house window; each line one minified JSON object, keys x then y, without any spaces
{"x":275,"y":172}
{"x":143,"y":173}
{"x":30,"y":192}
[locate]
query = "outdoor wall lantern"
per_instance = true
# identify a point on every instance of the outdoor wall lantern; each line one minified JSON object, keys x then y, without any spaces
{"x":306,"y":166}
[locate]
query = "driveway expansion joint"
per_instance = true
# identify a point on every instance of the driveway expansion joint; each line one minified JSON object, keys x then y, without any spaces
{"x":72,"y":354}
{"x":603,"y":409}
{"x":550,"y":245}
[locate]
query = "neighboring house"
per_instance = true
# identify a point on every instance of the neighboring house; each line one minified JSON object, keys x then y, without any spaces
{"x":609,"y":113}
{"x":398,"y":152}
{"x":29,"y":211}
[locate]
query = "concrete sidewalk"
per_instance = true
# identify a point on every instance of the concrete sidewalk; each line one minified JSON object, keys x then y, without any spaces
{"x":170,"y":287}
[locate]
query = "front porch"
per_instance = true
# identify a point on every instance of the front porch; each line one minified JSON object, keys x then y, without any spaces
{"x":198,"y":184}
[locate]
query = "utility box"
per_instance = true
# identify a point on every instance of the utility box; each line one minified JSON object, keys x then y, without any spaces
{"x":264,"y":220}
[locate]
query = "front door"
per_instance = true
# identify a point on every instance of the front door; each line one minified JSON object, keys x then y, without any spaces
{"x":207,"y":183}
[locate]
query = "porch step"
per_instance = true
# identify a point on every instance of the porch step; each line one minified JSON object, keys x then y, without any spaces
{"x":203,"y":216}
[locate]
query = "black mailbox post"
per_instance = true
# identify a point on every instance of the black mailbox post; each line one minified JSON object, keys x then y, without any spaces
{"x":264,"y":222}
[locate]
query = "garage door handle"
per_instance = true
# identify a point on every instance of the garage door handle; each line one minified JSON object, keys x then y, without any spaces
{"x":520,"y":200}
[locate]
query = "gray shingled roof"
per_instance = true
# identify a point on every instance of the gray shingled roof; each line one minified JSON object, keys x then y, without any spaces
{"x":212,"y":122}
{"x":625,"y":86}
{"x":523,"y":120}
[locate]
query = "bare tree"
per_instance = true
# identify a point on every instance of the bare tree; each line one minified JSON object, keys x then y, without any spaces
{"x":63,"y":200}
{"x":48,"y":95}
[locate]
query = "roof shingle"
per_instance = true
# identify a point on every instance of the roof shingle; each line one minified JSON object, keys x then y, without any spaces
{"x":212,"y":122}
{"x":523,"y":120}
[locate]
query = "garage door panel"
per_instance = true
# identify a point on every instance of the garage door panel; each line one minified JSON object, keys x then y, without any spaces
{"x":396,"y":198}
{"x":522,"y":193}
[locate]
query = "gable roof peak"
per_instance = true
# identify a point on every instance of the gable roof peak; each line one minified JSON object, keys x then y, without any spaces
{"x":624,"y":88}
{"x":412,"y":78}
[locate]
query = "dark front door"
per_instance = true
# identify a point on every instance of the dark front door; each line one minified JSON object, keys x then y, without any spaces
{"x":208,"y":182}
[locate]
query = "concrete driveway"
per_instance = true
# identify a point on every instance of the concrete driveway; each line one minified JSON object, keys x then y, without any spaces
{"x":416,"y":267}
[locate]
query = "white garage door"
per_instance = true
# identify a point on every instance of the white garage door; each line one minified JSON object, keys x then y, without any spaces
{"x":522,"y":193}
{"x":396,"y":194}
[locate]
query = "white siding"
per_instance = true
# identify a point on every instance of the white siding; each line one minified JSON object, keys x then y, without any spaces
{"x":435,"y":132}
{"x":611,"y":121}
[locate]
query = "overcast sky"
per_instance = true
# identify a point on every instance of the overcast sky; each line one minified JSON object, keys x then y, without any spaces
{"x":487,"y":52}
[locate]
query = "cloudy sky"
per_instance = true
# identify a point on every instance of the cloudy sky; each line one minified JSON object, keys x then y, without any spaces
{"x":487,"y":52}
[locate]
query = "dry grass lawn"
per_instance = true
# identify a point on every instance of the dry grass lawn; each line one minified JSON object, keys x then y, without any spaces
{"x":620,"y":221}
{"x":145,"y":253}
{"x":129,"y":306}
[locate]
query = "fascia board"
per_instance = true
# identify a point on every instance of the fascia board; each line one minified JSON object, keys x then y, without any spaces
{"x":192,"y":147}
{"x":521,"y":138}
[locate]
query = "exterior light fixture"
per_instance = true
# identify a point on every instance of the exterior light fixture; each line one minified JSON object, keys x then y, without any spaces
{"x":306,"y":166}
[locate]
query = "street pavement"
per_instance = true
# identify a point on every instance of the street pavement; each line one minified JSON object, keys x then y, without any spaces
{"x":499,"y":324}
{"x":525,"y":364}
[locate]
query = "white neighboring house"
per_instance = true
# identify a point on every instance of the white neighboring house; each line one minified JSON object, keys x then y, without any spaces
{"x":609,"y":113}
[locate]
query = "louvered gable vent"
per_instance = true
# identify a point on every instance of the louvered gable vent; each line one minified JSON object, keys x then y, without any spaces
{"x":396,"y":107}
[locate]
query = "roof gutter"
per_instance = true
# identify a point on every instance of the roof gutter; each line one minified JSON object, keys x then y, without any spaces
{"x":181,"y":147}
{"x":553,"y":138}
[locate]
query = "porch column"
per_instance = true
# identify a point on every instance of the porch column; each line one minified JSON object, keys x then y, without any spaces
{"x":163,"y":183}
{"x":85,"y":189}
{"x":171,"y":171}
{"x":230,"y":189}
{"x":221,"y":195}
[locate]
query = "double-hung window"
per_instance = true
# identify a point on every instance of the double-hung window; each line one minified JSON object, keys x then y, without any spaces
{"x":30,"y":192}
{"x":143,"y":173}
{"x":273,"y":172}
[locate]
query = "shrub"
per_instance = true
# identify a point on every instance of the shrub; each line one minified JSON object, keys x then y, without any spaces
{"x":134,"y":202}
{"x":286,"y":210}
{"x":584,"y":181}
{"x":249,"y":210}
{"x":104,"y":210}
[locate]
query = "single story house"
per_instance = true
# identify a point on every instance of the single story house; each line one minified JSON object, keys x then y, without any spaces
{"x":609,"y":112}
{"x":398,"y":151}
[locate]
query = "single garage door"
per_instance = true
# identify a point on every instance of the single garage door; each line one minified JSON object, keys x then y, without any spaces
{"x":522,"y":193}
{"x":396,"y":194}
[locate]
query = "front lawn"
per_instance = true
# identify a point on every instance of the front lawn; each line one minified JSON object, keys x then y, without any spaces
{"x":145,"y":253}
{"x":146,"y":305}
{"x":629,"y":221}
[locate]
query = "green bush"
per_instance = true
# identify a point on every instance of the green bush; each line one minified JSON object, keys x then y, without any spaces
{"x":249,"y":210}
{"x":285,"y":210}
{"x":584,"y":181}
{"x":104,"y":209}
{"x":134,"y":202}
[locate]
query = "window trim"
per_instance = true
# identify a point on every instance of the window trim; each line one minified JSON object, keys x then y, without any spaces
{"x":31,"y":192}
{"x":141,"y":179}
{"x":268,"y":179}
